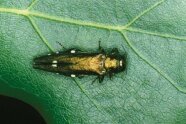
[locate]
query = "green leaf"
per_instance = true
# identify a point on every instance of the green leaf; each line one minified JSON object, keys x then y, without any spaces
{"x":150,"y":32}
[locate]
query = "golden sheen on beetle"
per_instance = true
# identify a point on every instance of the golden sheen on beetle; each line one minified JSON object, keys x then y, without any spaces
{"x":77,"y":63}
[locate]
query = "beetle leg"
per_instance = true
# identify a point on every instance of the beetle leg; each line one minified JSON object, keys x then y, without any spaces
{"x":61,"y":45}
{"x":114,"y":51}
{"x":100,"y":48}
{"x":101,"y":78}
{"x":95,"y":80}
{"x":110,"y":75}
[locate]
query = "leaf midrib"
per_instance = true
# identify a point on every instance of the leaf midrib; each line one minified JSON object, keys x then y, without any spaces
{"x":28,"y":13}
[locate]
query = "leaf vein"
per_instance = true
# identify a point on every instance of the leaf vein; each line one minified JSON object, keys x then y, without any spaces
{"x":36,"y":28}
{"x":143,"y":13}
{"x":93,"y":102}
{"x":76,"y":22}
{"x":32,"y":4}
{"x":156,"y":68}
{"x":131,"y":29}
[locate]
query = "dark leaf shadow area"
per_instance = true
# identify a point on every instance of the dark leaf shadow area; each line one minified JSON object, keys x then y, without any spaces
{"x":14,"y":111}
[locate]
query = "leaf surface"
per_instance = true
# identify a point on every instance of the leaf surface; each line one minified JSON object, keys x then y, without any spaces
{"x":150,"y":32}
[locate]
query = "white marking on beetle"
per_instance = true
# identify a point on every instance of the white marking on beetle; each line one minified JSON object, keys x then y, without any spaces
{"x":121,"y":63}
{"x":54,"y":65}
{"x":72,"y":51}
{"x":103,"y":71}
{"x":49,"y":54}
{"x":57,"y":52}
{"x":73,"y":75}
{"x":55,"y":61}
{"x":57,"y":73}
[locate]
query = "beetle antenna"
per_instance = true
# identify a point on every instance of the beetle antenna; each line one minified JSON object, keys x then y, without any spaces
{"x":95,"y":80}
{"x":99,"y":47}
{"x":61,"y":45}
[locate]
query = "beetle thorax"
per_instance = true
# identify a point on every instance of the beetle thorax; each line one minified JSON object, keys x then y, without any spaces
{"x":110,"y":63}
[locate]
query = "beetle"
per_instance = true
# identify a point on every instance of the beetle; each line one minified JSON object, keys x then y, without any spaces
{"x":76,"y":63}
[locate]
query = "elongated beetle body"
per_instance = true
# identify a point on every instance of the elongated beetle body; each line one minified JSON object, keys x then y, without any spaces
{"x":77,"y":63}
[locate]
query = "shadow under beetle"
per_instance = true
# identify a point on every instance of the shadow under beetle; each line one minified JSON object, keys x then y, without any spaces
{"x":77,"y":63}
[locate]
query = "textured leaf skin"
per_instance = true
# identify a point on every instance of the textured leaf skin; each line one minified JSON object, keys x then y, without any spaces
{"x":151,"y":32}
